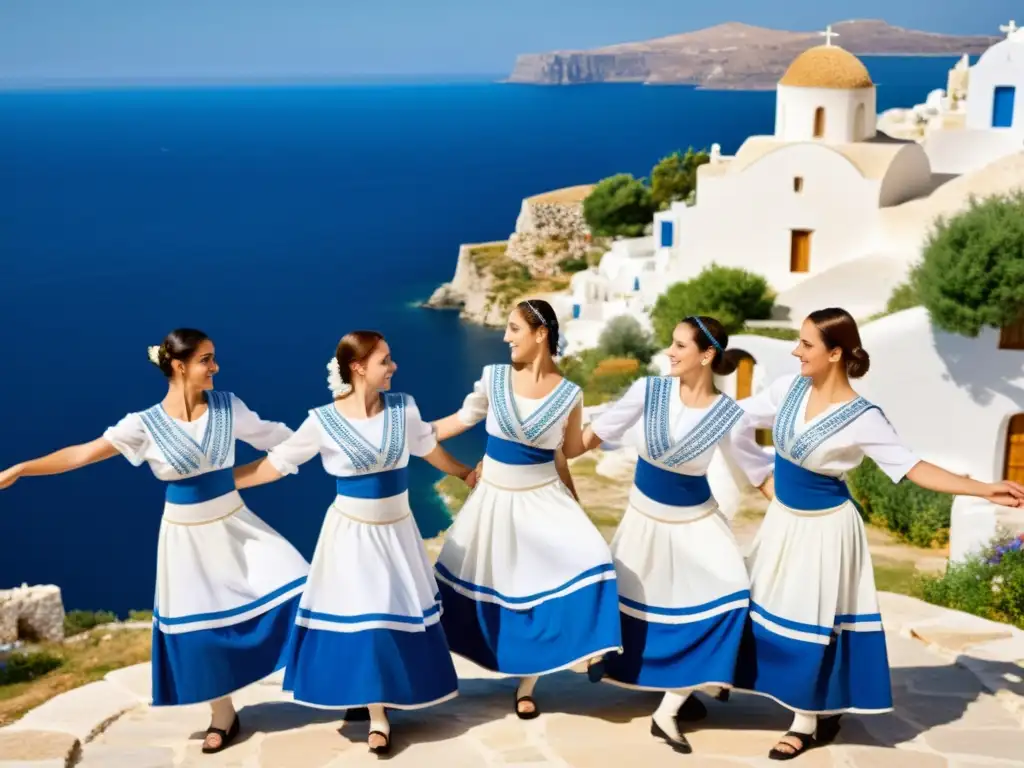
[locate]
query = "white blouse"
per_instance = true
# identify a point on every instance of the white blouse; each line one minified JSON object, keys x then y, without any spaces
{"x":133,"y":440}
{"x":312,"y":438}
{"x":477,"y":406}
{"x":624,"y":421}
{"x":870,"y":434}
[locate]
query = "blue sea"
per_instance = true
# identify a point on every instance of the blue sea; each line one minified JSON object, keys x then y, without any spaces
{"x":276,"y":219}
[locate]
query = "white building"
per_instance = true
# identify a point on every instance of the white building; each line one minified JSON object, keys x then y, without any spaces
{"x":805,"y":201}
{"x":991,"y":125}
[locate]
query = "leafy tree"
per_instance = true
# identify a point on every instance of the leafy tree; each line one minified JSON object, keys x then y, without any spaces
{"x":624,"y":337}
{"x":972,"y":271}
{"x":730,"y":295}
{"x":675,"y":177}
{"x":619,"y":205}
{"x":904,"y":296}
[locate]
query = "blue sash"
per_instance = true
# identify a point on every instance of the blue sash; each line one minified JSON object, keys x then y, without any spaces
{"x":807,"y":491}
{"x":512,"y":452}
{"x":200,"y":488}
{"x":670,"y":488}
{"x":377,"y":485}
{"x":182,"y":452}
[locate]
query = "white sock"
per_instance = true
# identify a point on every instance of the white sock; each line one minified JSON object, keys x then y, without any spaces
{"x":804,"y":723}
{"x":379,"y":719}
{"x":526,"y":686}
{"x":670,"y":705}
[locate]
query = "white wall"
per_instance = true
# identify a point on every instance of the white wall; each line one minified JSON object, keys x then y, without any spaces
{"x":795,"y":108}
{"x":745,"y":219}
{"x":967,"y":150}
{"x":1002,"y":64}
{"x":908,"y":176}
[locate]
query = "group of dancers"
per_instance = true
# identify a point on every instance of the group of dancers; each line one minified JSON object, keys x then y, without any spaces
{"x":525,"y":585}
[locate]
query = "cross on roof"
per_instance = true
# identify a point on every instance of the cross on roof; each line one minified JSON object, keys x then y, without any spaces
{"x":828,"y":34}
{"x":1010,"y":28}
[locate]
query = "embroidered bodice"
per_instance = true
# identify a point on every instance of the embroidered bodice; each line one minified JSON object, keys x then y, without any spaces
{"x":536,"y":422}
{"x":652,"y":418}
{"x":176,"y":449}
{"x":349,"y":447}
{"x":833,"y":442}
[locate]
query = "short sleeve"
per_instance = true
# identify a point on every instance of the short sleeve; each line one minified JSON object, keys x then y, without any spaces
{"x":419,"y":435}
{"x":762,"y":407}
{"x":298,"y":448}
{"x":613,"y":422}
{"x":741,"y":450}
{"x":251,"y":429}
{"x":474,"y":406}
{"x":878,"y":440}
{"x":130,"y":438}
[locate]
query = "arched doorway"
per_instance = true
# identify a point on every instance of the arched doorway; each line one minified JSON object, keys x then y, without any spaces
{"x":819,"y":122}
{"x":1013,"y":467}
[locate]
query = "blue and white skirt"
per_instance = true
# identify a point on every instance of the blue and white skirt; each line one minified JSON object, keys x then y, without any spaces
{"x":526,"y":580}
{"x":683,"y":592}
{"x":368,"y":630}
{"x":227,"y":589}
{"x":815,"y":641}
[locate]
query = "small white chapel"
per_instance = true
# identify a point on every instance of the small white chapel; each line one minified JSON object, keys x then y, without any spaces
{"x":802,"y":207}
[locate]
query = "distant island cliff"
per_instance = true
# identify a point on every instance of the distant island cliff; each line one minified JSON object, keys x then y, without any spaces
{"x":730,"y":56}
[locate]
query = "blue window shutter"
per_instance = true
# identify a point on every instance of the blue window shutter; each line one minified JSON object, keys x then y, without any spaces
{"x":666,"y":234}
{"x":1002,"y":106}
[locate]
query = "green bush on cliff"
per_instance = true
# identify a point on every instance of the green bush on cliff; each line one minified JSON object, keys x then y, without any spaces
{"x":729,"y":294}
{"x":22,"y":667}
{"x":77,"y":622}
{"x":625,"y":337}
{"x":619,"y":205}
{"x":675,"y":177}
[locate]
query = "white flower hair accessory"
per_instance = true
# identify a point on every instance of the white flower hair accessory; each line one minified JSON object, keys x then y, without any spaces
{"x":334,"y":381}
{"x":154,"y":355}
{"x":561,"y":345}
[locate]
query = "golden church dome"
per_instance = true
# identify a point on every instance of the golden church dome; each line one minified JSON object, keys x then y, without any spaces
{"x":827,"y":66}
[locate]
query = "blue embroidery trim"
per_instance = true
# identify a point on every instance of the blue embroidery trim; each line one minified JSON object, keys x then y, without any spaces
{"x":657,"y":400}
{"x":550,"y":412}
{"x":705,"y":435}
{"x":394,"y":440}
{"x":797,"y":449}
{"x":358,"y":454}
{"x":182,"y":452}
{"x":363,"y":456}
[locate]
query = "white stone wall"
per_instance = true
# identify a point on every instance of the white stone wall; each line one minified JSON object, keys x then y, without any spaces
{"x":38,"y":611}
{"x":968,"y":150}
{"x":850,"y":115}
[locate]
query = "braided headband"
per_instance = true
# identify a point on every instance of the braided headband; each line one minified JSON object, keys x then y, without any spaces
{"x":707,"y":333}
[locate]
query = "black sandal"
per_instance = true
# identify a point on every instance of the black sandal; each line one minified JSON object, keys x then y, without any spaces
{"x":680,"y":745}
{"x":828,"y":729}
{"x":357,"y":715}
{"x":722,"y":695}
{"x":226,"y":737}
{"x":595,"y":671}
{"x":387,"y":743}
{"x":526,"y":715}
{"x":806,"y":742}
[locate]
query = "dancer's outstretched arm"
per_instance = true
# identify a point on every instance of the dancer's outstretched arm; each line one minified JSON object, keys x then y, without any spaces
{"x":440,"y":459}
{"x":58,"y":462}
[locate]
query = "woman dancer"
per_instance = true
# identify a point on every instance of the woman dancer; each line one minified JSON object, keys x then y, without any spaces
{"x":368,"y":630}
{"x":815,"y":642}
{"x":683,"y":587}
{"x":527,"y":581}
{"x":227,"y":585}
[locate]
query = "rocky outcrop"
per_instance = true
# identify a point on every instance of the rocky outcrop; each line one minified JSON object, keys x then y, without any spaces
{"x":471,"y":288}
{"x":732,"y":55}
{"x":35,"y":613}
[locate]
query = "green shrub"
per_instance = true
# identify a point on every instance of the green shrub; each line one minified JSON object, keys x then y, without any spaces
{"x":77,"y":622}
{"x":785,"y":334}
{"x":571,"y":264}
{"x":730,"y":295}
{"x":140,"y":615}
{"x":914,"y":514}
{"x":675,"y":177}
{"x":972,"y":271}
{"x":625,"y":337}
{"x":619,"y":205}
{"x":904,"y":296}
{"x":22,"y":667}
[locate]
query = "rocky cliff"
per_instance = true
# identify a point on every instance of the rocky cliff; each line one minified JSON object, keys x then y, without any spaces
{"x":732,"y":55}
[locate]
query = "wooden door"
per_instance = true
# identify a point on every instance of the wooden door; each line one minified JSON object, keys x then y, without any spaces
{"x":1014,"y":469}
{"x":800,"y":251}
{"x":745,"y":378}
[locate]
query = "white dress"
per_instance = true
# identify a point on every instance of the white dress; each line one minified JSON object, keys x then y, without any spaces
{"x":227,"y":584}
{"x":527,"y":581}
{"x":815,"y":641}
{"x":683,"y":586}
{"x":368,"y":627}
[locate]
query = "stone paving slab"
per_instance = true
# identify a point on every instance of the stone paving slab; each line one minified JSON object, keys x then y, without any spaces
{"x":80,"y":712}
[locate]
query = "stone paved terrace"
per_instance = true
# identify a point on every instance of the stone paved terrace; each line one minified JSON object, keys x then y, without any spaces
{"x":955,"y":708}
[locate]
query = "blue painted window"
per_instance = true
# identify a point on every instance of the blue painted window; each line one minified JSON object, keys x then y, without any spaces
{"x":1002,"y":106}
{"x":666,"y":234}
{"x":636,"y":283}
{"x":575,"y":311}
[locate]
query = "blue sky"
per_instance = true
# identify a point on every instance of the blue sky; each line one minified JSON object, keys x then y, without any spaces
{"x":270,"y":38}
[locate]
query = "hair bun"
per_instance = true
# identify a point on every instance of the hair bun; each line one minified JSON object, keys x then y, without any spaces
{"x":858,"y":363}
